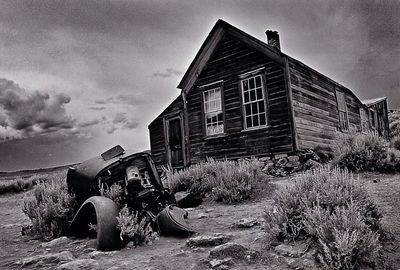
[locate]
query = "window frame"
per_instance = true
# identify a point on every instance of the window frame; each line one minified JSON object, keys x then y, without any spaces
{"x":207,"y":88}
{"x":247,"y":76}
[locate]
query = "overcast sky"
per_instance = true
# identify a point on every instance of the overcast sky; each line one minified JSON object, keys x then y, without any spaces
{"x":78,"y":77}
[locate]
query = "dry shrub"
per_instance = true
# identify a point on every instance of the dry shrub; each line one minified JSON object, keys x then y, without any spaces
{"x":358,"y":152}
{"x":394,"y":122}
{"x":114,"y":192}
{"x":344,"y":241}
{"x":391,"y":162}
{"x":395,"y":142}
{"x":50,"y":207}
{"x":332,"y":208}
{"x":225,"y":181}
{"x":325,"y":187}
{"x":135,"y":227}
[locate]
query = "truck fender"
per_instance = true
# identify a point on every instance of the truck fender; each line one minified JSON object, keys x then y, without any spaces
{"x":102,"y":212}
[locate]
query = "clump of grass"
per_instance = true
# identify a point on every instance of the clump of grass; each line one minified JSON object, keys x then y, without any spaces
{"x":343,"y":239}
{"x":50,"y":207}
{"x":366,"y":152}
{"x":19,"y":183}
{"x":359,"y":152}
{"x":224,"y":181}
{"x":135,"y":227}
{"x":333,"y":209}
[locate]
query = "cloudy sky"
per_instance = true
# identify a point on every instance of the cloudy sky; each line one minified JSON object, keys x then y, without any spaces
{"x":78,"y":77}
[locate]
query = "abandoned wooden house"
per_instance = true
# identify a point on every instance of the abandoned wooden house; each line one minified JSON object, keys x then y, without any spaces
{"x":242,"y":97}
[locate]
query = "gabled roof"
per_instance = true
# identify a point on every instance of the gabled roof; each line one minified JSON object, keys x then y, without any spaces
{"x":373,"y":101}
{"x":216,"y":34}
{"x":208,"y":46}
{"x":211,"y":42}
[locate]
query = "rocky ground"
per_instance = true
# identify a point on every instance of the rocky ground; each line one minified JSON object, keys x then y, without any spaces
{"x":228,"y":237}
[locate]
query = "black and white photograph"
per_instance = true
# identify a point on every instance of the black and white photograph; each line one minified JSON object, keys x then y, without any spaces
{"x":200,"y":134}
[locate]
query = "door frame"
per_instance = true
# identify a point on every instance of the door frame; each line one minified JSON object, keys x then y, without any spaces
{"x":166,"y":121}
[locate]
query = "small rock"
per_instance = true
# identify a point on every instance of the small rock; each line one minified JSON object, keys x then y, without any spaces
{"x":64,"y":256}
{"x":208,"y":240}
{"x":293,"y":159}
{"x":291,"y":250}
{"x":56,"y":242}
{"x":202,"y":215}
{"x":198,"y":249}
{"x":311,"y":164}
{"x":97,"y":253}
{"x":279,"y":156}
{"x":376,"y":180}
{"x":209,"y":210}
{"x":264,"y":159}
{"x":233,"y":250}
{"x":189,"y":209}
{"x":246,"y":223}
{"x":79,"y":264}
{"x":181,"y":253}
{"x":217,"y":263}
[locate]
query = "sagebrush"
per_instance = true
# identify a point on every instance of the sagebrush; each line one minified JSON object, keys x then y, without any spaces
{"x":50,"y":207}
{"x":394,"y":122}
{"x":114,"y":192}
{"x":135,"y":227}
{"x":314,"y":207}
{"x":359,"y":152}
{"x":344,"y":240}
{"x":225,"y":181}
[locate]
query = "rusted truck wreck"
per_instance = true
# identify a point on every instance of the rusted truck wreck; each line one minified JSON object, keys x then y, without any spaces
{"x":142,"y":191}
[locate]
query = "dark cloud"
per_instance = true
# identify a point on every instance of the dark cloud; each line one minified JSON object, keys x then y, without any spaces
{"x":130,"y":124}
{"x":120,"y":121}
{"x":120,"y":99}
{"x":111,"y":128}
{"x":89,"y":123}
{"x":120,"y":118}
{"x":97,"y":108}
{"x":167,"y":73}
{"x":32,"y":112}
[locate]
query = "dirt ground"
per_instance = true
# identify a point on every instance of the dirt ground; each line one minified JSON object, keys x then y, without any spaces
{"x":172,"y":253}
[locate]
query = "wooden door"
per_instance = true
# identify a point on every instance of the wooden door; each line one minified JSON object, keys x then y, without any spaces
{"x":175,"y":149}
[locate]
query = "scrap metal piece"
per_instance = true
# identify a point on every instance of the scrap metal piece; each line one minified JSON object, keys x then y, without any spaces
{"x":173,"y":220}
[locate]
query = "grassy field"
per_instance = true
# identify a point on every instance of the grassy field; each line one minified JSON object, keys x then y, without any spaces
{"x":13,"y":182}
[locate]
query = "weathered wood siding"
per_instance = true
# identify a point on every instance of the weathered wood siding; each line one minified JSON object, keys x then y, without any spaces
{"x":156,"y":130}
{"x":230,"y":59}
{"x":315,"y":106}
{"x":382,"y":119}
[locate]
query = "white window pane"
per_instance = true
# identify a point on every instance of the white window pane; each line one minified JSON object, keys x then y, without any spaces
{"x":218,"y":105}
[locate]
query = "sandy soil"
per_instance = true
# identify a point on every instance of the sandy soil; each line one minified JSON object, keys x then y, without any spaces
{"x":172,"y":253}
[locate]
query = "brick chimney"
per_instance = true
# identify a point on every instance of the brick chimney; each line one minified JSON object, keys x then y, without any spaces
{"x":273,"y":39}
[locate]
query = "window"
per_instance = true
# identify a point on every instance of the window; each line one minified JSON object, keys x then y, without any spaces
{"x":255,"y":113}
{"x":343,"y":115}
{"x":213,"y":111}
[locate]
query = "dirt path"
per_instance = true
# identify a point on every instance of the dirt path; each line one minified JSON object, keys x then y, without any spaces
{"x":385,"y":190}
{"x":172,"y":253}
{"x":166,"y":253}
